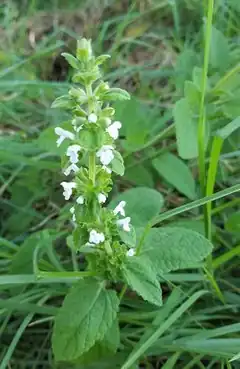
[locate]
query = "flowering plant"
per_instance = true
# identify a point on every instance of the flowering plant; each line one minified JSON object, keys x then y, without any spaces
{"x":87,"y":321}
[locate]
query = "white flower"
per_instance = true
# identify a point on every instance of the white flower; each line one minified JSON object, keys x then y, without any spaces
{"x":62,"y":133}
{"x":96,"y":237}
{"x":131,"y":252}
{"x":92,"y":118}
{"x":67,"y":187}
{"x":113,"y":129}
{"x":108,"y":170}
{"x":102,"y":198}
{"x":72,"y":152}
{"x":72,"y":211}
{"x":105,"y":154}
{"x":120,"y":208}
{"x":124,"y":223}
{"x":80,"y":200}
{"x":72,"y":167}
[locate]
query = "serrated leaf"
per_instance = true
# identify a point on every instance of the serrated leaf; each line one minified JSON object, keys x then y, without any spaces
{"x":88,"y":311}
{"x":172,"y":248}
{"x":142,"y":204}
{"x":117,"y":164}
{"x":102,"y":349}
{"x":141,"y":277}
{"x":71,"y":60}
{"x":177,"y":173}
{"x":186,"y":130}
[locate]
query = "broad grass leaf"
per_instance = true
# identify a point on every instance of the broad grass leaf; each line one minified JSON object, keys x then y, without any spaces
{"x":186,"y":130}
{"x":142,"y":204}
{"x":172,"y":248}
{"x":87,"y":313}
{"x":177,"y":173}
{"x":141,"y":277}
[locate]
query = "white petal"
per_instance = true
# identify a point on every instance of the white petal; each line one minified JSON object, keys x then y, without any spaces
{"x":62,"y":133}
{"x":102,"y":198}
{"x":72,"y":210}
{"x":80,"y":200}
{"x":120,"y":208}
{"x":92,"y":118}
{"x":131,"y":252}
{"x":72,"y":152}
{"x":105,"y":154}
{"x":67,"y":187}
{"x":72,"y":167}
{"x":124,"y":223}
{"x":113,"y":129}
{"x":96,"y":237}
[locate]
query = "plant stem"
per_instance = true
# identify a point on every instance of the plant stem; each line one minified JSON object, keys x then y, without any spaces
{"x":92,"y":166}
{"x":202,"y":118}
{"x":92,"y":158}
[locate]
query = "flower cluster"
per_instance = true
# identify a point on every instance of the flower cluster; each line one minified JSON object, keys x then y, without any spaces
{"x":91,"y":156}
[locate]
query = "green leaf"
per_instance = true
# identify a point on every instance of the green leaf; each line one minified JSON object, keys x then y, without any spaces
{"x":115,"y":94}
{"x":142,"y":204}
{"x":186,"y":130}
{"x":129,"y":238}
{"x":192,"y":94}
{"x":89,"y":139}
{"x":186,"y":61}
{"x":177,"y":173}
{"x":101,"y":59}
{"x":140,"y":275}
{"x":102,"y":349}
{"x":172,"y":248}
{"x":139,"y":175}
{"x":117,"y":164}
{"x":87,"y":313}
{"x":233,"y":223}
{"x":22,"y":261}
{"x":71,"y":60}
{"x":219,"y":50}
{"x":229,"y":128}
{"x":62,"y":102}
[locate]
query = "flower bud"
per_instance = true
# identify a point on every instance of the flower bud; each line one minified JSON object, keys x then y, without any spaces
{"x":84,"y":50}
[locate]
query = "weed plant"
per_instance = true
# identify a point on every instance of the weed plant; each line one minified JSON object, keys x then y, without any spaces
{"x":119,"y":207}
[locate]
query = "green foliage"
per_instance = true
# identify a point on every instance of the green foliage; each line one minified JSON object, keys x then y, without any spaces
{"x":172,"y":248}
{"x":177,"y":173}
{"x":142,"y":204}
{"x":87,"y":313}
{"x":159,"y":53}
{"x":142,"y":278}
